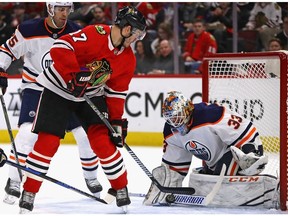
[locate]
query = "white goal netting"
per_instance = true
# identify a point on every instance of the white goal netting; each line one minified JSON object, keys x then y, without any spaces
{"x":250,"y":85}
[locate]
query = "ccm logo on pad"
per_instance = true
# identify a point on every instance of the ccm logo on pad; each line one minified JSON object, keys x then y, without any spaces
{"x":244,"y":179}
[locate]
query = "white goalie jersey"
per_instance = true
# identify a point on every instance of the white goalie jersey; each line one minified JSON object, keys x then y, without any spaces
{"x":216,"y":136}
{"x":214,"y":130}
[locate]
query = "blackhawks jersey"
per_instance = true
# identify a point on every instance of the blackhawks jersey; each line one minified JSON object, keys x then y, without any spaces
{"x":214,"y":129}
{"x":91,"y":49}
{"x":32,"y":40}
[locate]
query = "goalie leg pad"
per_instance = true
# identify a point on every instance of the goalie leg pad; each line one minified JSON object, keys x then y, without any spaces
{"x":255,"y":191}
{"x":167,"y":178}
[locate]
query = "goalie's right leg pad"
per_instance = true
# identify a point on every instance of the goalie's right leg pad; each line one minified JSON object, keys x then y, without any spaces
{"x":167,"y":178}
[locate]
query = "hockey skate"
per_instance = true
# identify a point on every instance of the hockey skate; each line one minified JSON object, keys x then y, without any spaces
{"x":12,"y":190}
{"x":94,"y":186}
{"x":122,"y":198}
{"x":26,"y":202}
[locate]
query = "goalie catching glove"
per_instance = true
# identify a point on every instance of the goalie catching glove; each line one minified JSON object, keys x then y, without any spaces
{"x":78,"y":84}
{"x":120,"y":127}
{"x":3,"y":158}
{"x":251,"y":164}
{"x":3,"y":80}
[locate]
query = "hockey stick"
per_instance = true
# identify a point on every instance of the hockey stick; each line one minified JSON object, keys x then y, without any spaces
{"x":62,"y":184}
{"x":10,"y":131}
{"x":131,"y":194}
{"x":198,"y":200}
{"x":174,"y":190}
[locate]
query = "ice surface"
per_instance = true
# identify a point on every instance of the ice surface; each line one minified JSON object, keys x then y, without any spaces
{"x":65,"y":167}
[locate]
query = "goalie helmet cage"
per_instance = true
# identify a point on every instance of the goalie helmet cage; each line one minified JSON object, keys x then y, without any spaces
{"x":255,"y":86}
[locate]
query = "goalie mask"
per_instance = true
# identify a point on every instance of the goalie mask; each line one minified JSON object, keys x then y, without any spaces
{"x":177,"y":111}
{"x":131,"y":16}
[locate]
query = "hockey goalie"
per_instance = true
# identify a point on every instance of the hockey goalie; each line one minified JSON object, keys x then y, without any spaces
{"x":216,"y":136}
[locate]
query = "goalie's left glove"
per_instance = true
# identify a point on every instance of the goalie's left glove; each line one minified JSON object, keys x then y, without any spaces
{"x":120,"y":126}
{"x":3,"y":158}
{"x":251,"y":164}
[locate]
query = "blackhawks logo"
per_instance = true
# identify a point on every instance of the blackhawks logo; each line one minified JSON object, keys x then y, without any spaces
{"x":101,"y":72}
{"x":100,"y":29}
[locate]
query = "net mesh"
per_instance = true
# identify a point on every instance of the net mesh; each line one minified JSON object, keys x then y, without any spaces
{"x":251,"y":88}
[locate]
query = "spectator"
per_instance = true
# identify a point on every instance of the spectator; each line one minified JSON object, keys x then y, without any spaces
{"x":99,"y":16}
{"x":166,"y":13}
{"x":244,"y":13}
{"x":164,"y":64}
{"x":144,"y":57}
{"x":150,"y":10}
{"x":5,"y":29}
{"x":164,"y":32}
{"x":82,"y":15}
{"x":274,"y":45}
{"x":220,"y":24}
{"x":266,"y":18}
{"x":187,"y":12}
{"x":19,"y":15}
{"x":199,"y":43}
{"x":283,"y":35}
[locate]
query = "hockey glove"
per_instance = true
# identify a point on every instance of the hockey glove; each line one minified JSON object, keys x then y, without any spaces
{"x":3,"y":158}
{"x":3,"y":80}
{"x":120,"y":126}
{"x":78,"y":84}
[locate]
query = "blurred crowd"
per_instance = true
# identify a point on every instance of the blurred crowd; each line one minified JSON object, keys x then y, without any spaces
{"x":202,"y":28}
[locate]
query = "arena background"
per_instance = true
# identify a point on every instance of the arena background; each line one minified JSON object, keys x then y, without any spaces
{"x":142,"y":108}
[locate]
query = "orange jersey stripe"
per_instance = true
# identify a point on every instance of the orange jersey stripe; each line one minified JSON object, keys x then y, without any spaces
{"x":89,"y":164}
{"x":14,"y":159}
{"x":233,"y":169}
{"x":245,"y":138}
{"x":28,"y":77}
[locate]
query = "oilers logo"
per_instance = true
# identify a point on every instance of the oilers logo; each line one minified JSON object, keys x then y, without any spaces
{"x":198,"y":150}
{"x":46,"y":61}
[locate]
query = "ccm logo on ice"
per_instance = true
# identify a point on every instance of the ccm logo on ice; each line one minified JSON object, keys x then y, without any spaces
{"x":198,"y":150}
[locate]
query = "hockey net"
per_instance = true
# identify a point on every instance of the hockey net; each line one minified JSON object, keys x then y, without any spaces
{"x":255,"y":86}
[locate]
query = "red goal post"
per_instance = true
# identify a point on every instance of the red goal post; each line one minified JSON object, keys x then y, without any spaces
{"x":255,"y":85}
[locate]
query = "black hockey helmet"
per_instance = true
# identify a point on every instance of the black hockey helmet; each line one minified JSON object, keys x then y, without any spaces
{"x":130,"y":16}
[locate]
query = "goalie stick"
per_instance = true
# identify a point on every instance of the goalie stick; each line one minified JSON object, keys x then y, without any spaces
{"x":198,"y":200}
{"x":174,"y":190}
{"x":10,"y":131}
{"x":62,"y":184}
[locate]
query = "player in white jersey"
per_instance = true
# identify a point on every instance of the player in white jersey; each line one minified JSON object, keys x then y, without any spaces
{"x":33,"y":40}
{"x":209,"y":132}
